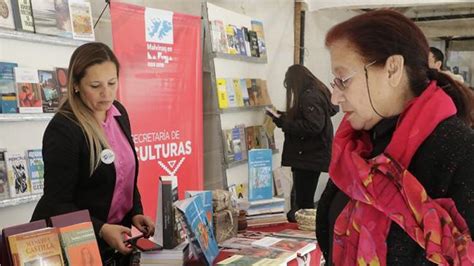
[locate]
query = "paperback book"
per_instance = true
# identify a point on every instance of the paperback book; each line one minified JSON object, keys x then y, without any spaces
{"x":81,"y":20}
{"x":4,"y":193}
{"x":8,"y":102}
{"x":18,"y":178}
{"x":6,"y":15}
{"x":49,"y":90}
{"x":23,"y":15}
{"x":260,"y":174}
{"x":28,"y":90}
{"x":44,"y":14}
{"x":36,"y":170}
{"x":198,"y":229}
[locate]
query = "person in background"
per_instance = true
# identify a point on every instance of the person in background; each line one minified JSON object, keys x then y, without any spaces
{"x":401,"y":188}
{"x":436,"y":61}
{"x":89,"y":156}
{"x":308,"y":133}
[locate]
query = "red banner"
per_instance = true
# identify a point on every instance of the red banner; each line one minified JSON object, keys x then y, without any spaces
{"x":161,"y":87}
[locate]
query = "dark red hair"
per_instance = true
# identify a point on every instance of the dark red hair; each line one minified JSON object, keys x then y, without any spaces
{"x":379,"y":34}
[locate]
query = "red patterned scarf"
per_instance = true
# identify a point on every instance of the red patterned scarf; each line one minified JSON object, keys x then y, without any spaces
{"x":382,"y":191}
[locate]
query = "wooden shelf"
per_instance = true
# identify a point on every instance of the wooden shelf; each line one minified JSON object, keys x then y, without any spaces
{"x":20,"y":117}
{"x":241,"y":162}
{"x":243,"y":108}
{"x":244,"y":58}
{"x":20,"y":200}
{"x":38,"y":38}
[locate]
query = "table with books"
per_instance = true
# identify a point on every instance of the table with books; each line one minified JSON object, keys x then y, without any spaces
{"x":261,"y":243}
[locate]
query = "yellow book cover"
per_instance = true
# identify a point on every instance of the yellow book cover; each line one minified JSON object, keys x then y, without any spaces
{"x":80,"y":245}
{"x":222,"y":94}
{"x":231,"y":39}
{"x":36,"y":248}
{"x":238,"y":92}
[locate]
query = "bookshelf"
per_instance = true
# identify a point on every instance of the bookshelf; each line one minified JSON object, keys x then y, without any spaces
{"x":255,"y":60}
{"x":26,"y":117}
{"x":220,"y":173}
{"x":20,"y":200}
{"x":38,"y":38}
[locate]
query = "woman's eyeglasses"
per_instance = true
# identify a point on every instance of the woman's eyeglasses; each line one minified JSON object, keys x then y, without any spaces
{"x":340,"y":83}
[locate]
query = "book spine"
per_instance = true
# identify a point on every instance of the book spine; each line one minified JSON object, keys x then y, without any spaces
{"x":169,"y":238}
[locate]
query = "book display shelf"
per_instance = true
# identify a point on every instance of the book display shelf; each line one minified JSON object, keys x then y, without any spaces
{"x":27,"y":43}
{"x":235,"y":94}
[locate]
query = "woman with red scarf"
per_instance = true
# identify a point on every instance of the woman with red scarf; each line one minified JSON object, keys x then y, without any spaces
{"x":402,"y":174}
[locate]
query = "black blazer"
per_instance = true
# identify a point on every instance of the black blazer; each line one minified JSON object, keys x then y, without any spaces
{"x":67,"y":184}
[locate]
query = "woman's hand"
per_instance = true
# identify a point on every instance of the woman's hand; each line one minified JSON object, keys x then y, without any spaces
{"x":144,"y":224}
{"x":114,"y":235}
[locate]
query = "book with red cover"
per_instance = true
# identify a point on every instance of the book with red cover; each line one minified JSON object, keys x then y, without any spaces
{"x":13,"y":230}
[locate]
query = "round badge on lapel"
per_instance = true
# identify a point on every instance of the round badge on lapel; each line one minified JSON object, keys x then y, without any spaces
{"x":107,"y":156}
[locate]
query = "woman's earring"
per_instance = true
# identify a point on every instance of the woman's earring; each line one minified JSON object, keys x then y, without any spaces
{"x":76,"y":91}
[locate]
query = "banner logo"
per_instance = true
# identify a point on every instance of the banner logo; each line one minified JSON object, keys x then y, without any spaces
{"x":159,"y":26}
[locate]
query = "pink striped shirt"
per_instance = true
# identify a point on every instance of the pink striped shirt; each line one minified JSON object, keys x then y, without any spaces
{"x":124,"y":163}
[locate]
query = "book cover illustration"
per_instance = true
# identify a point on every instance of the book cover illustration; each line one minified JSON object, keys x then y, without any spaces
{"x":243,"y":144}
{"x":198,"y":227}
{"x":44,"y":15}
{"x":251,"y":138}
{"x":61,"y":78}
{"x":245,"y":93}
{"x":50,"y":91}
{"x":36,"y":170}
{"x":252,"y":91}
{"x":4,"y":194}
{"x":63,"y":18}
{"x":300,"y":247}
{"x":240,"y":41}
{"x":232,"y":41}
{"x":245,"y":32}
{"x":253,"y":44}
{"x":18,"y":179}
{"x":39,"y":247}
{"x":206,"y":197}
{"x":263,"y":98}
{"x":222,"y":93}
{"x":228,"y":149}
{"x":80,"y":245}
{"x":278,"y":255}
{"x":6,"y":15}
{"x":8,"y":102}
{"x":238,"y":92}
{"x":28,"y":90}
{"x":282,"y":179}
{"x":23,"y":15}
{"x":223,"y":46}
{"x":260,"y":174}
{"x":294,"y":233}
{"x":231,"y":97}
{"x":81,"y":20}
{"x":219,"y":39}
{"x":257,"y":26}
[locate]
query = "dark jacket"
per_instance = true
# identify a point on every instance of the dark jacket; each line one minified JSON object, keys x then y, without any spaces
{"x":442,"y":164}
{"x":67,"y":184}
{"x":308,"y":137}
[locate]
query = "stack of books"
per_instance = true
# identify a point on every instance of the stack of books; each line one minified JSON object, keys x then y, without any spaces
{"x":266,"y":212}
{"x":176,"y":256}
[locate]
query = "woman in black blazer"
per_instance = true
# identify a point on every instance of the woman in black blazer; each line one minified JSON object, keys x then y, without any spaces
{"x":89,"y":156}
